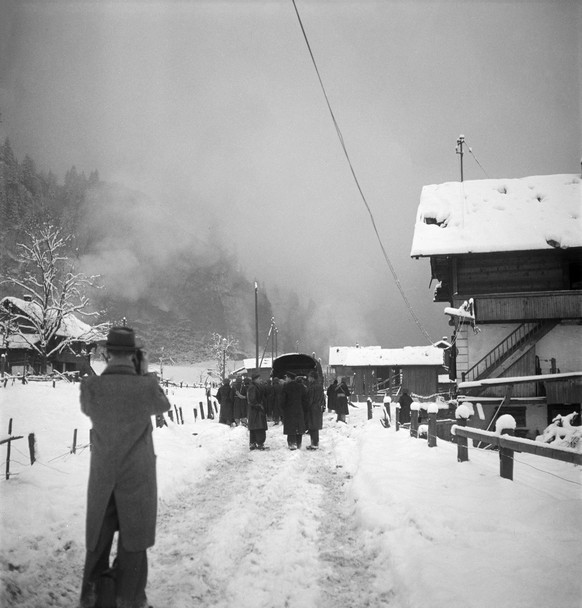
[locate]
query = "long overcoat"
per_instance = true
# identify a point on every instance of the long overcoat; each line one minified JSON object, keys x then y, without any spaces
{"x":120,"y":404}
{"x":342,"y":397}
{"x":224,"y":397}
{"x":240,"y":403}
{"x":315,"y":406}
{"x":256,"y":415}
{"x":332,"y":395}
{"x":294,"y":405}
{"x":278,"y":398}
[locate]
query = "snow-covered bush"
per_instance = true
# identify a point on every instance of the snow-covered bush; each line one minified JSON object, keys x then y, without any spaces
{"x":561,"y":433}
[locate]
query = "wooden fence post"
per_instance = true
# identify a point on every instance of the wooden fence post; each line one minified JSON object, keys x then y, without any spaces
{"x":171,"y":415}
{"x":195,"y":414}
{"x":181,"y":416}
{"x":506,"y":458}
{"x":8,"y":449}
{"x":462,"y":449}
{"x":201,"y":410}
{"x":413,"y":423}
{"x":369,"y":402}
{"x":432,"y":430}
{"x":74,"y":447}
{"x":31,"y":443}
{"x":8,"y":459}
{"x":177,"y":415}
{"x":397,"y":417}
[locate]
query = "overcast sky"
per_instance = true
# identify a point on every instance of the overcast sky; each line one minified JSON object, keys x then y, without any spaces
{"x":214,"y":110}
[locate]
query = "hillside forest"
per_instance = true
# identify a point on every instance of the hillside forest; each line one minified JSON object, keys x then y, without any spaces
{"x":175,"y":289}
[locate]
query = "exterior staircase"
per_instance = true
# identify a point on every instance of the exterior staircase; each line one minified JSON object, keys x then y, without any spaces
{"x":509,"y":351}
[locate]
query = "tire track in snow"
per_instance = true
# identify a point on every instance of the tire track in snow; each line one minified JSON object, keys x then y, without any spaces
{"x":250,"y":535}
{"x":267,"y":529}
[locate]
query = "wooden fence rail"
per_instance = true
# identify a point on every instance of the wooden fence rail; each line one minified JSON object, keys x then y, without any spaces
{"x":508,"y":445}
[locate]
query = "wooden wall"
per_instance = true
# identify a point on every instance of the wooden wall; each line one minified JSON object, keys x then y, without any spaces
{"x":520,"y":307}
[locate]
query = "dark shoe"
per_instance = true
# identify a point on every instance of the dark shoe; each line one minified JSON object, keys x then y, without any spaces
{"x":293,"y":447}
{"x":253,"y":446}
{"x":313,"y":447}
{"x":262,"y":447}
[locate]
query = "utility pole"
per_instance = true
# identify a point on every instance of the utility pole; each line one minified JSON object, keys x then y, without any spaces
{"x":257,"y":325}
{"x":224,"y":345}
{"x":459,"y":151}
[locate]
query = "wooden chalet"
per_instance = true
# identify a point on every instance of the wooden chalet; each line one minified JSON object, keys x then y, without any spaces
{"x":20,"y":356}
{"x":372,"y":369}
{"x":507,"y":256}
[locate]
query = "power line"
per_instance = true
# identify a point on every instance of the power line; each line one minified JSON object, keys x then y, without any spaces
{"x":342,"y":142}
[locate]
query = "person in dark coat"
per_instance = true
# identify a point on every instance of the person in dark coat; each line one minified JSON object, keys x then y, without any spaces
{"x":224,"y":397}
{"x":342,"y":398}
{"x":294,"y":406}
{"x":405,"y":401}
{"x":269,"y":397}
{"x":239,"y":400}
{"x":332,"y":396}
{"x":277,"y":400}
{"x":122,"y":489}
{"x":315,"y":409}
{"x":256,"y":415}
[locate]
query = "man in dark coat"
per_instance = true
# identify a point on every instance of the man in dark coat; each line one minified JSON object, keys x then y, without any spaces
{"x":342,"y":399}
{"x":405,"y":400}
{"x":315,"y":409}
{"x":257,"y":418}
{"x":332,"y":396}
{"x":294,"y":406}
{"x":239,"y":401}
{"x":224,"y":397}
{"x":122,"y":491}
{"x":277,"y":400}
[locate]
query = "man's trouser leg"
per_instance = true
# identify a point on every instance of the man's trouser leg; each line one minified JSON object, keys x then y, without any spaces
{"x":97,"y":561}
{"x":131,"y":568}
{"x":132,"y":577}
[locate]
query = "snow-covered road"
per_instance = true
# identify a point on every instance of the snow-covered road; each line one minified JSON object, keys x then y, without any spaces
{"x":264,"y":529}
{"x":374,"y":518}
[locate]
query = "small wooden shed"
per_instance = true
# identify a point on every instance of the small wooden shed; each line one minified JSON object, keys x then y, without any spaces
{"x":373,"y":369}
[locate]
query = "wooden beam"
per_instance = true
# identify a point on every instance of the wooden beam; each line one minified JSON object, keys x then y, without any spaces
{"x":518,"y":444}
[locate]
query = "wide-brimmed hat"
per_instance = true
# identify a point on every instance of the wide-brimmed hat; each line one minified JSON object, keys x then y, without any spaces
{"x":121,"y":338}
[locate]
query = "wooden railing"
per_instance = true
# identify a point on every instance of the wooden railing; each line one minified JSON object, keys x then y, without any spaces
{"x":524,"y":333}
{"x":507,"y":446}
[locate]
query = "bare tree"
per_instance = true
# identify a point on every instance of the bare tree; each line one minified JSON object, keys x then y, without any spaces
{"x":221,"y":350}
{"x":53,"y":292}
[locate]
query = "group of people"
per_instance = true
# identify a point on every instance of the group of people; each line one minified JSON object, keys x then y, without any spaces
{"x":122,"y":489}
{"x":296,"y":401}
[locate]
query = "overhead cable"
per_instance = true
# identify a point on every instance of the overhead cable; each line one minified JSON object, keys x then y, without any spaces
{"x":342,"y":142}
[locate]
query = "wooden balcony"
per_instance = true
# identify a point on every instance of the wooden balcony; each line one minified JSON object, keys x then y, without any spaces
{"x":524,"y":307}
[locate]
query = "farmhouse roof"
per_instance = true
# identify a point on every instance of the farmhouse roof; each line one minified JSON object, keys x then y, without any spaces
{"x":368,"y":356}
{"x":528,"y":213}
{"x":71,"y":326}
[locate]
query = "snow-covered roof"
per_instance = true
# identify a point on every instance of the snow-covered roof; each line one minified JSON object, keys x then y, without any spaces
{"x":71,"y":326}
{"x":363,"y":356}
{"x":252,"y":363}
{"x":528,"y":213}
{"x":19,"y":342}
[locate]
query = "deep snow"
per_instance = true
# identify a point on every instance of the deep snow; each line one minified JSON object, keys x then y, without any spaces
{"x":374,"y":518}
